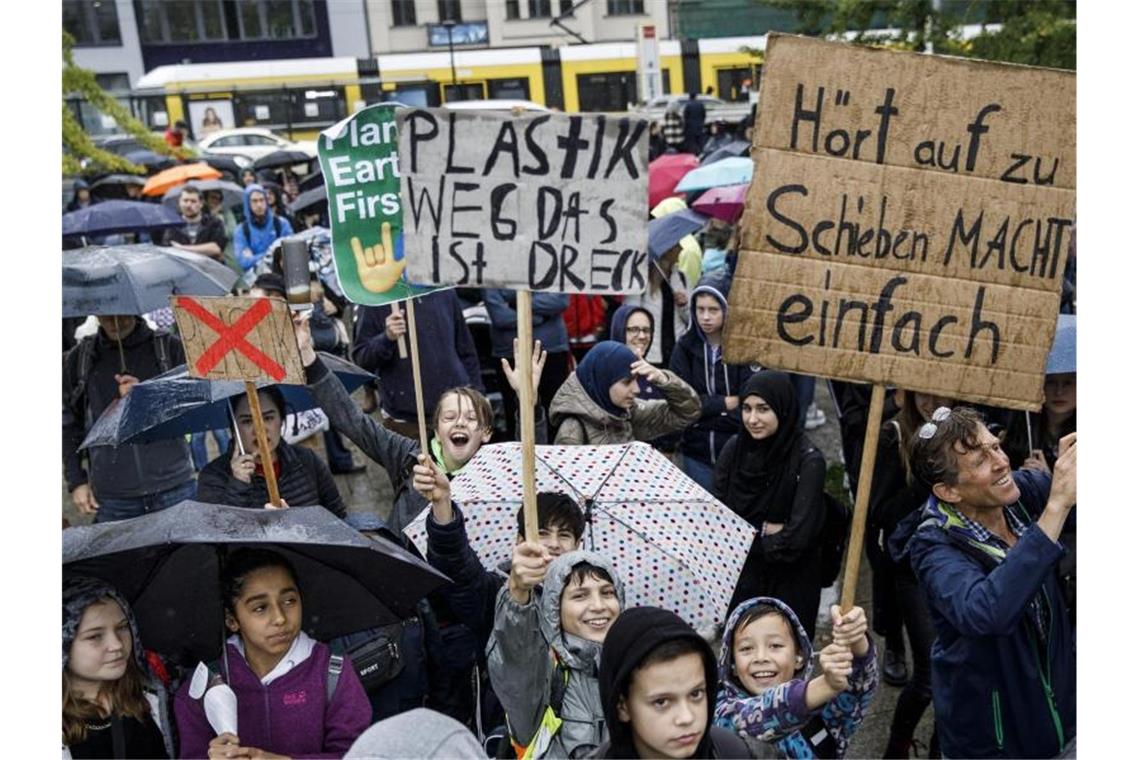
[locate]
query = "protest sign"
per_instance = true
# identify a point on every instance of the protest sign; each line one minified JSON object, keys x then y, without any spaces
{"x":362,"y":177}
{"x":547,"y":202}
{"x":908,"y":221}
{"x":238,"y":338}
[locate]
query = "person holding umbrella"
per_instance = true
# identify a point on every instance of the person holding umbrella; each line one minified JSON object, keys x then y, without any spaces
{"x":237,"y":476}
{"x":113,"y":704}
{"x":126,"y":481}
{"x":291,"y":699}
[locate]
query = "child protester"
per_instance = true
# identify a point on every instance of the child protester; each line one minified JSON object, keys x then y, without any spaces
{"x":767,"y":693}
{"x":545,"y":648}
{"x":112,"y":704}
{"x":291,"y":701}
{"x":658,"y":687}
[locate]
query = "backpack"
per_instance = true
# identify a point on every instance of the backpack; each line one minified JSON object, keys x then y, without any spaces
{"x":833,"y":538}
{"x":86,"y":360}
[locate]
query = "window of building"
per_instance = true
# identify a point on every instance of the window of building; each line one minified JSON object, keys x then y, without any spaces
{"x":449,"y":10}
{"x":564,"y":6}
{"x":403,"y":12}
{"x":512,"y":9}
{"x":625,"y":7}
{"x":275,"y":19}
{"x":165,"y":21}
{"x":92,"y":22}
{"x":538,"y":8}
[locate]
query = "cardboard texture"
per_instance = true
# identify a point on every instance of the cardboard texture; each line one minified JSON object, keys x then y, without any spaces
{"x":238,"y":338}
{"x":547,"y":202}
{"x":939,"y":276}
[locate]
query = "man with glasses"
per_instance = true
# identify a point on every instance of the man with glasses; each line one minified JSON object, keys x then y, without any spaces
{"x":986,"y":553}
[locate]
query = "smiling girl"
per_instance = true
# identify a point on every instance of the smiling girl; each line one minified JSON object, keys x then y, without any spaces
{"x":279,"y":674}
{"x":112,"y":707}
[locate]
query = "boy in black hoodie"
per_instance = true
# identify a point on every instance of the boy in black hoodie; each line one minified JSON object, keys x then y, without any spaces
{"x":658,"y":686}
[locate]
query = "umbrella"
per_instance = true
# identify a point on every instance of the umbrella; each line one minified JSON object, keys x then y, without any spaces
{"x":313,"y":180}
{"x":728,"y":150}
{"x":166,"y":565}
{"x":674,"y":544}
{"x":174,"y":404}
{"x":118,"y":179}
{"x":727,"y":171}
{"x":164,"y":180}
{"x":668,"y":206}
{"x":725,"y":203}
{"x":118,"y":216}
{"x":224,"y":164}
{"x":1063,"y":356}
{"x":666,"y":232}
{"x":137,"y":279}
{"x":231,"y":193}
{"x":148,"y":158}
{"x":282,"y":158}
{"x":664,"y":173}
{"x":309,"y":198}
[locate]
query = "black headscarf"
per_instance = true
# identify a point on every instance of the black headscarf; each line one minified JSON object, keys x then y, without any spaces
{"x":761,"y":484}
{"x":636,"y":633}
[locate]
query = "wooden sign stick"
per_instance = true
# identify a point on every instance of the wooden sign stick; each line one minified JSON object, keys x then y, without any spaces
{"x":402,"y":342}
{"x":862,"y":497}
{"x":262,"y":444}
{"x":416,"y":378}
{"x":526,"y":414}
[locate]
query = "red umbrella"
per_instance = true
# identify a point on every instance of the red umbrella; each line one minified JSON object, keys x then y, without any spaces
{"x":725,"y":203}
{"x":665,"y":172}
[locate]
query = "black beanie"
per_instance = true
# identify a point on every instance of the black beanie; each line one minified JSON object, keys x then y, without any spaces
{"x":637,"y":632}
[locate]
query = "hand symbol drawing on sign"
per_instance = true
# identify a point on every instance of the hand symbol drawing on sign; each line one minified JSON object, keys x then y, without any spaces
{"x":376,"y":265}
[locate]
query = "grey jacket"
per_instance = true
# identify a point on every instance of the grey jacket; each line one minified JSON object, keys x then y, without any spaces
{"x":577,"y":419}
{"x":522,"y":669}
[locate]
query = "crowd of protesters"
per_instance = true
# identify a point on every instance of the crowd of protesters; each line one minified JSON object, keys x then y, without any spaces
{"x":971,"y":537}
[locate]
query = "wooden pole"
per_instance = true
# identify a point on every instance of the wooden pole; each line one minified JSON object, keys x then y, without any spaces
{"x":862,"y":497}
{"x":262,"y":443}
{"x":526,"y":414}
{"x":416,"y":378}
{"x":402,"y":342}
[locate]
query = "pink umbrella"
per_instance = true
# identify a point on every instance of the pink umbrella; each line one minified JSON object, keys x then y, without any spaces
{"x":665,"y":172}
{"x":725,"y":203}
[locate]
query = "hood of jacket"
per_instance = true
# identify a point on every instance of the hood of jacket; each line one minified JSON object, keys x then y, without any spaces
{"x":636,"y":633}
{"x":79,"y":593}
{"x":715,"y":286}
{"x":725,"y":675}
{"x":417,"y":733}
{"x":250,"y":190}
{"x":575,"y":652}
{"x":621,"y":318}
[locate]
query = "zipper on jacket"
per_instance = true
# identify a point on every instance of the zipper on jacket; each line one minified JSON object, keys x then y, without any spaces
{"x":1047,"y":678}
{"x":999,"y":727}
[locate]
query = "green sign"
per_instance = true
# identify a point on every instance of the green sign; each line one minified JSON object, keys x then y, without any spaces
{"x":359,"y":159}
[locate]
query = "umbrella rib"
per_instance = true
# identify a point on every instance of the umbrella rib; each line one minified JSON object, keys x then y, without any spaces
{"x":605,"y":479}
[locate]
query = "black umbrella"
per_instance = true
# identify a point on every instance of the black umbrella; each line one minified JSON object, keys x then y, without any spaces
{"x":313,"y":180}
{"x":731,"y":149}
{"x":231,"y":192}
{"x":112,"y":180}
{"x":151,"y":160}
{"x":136,"y":279}
{"x":308,"y":198}
{"x":167,"y":564}
{"x":282,"y":158}
{"x":119,"y":216}
{"x":222,"y":164}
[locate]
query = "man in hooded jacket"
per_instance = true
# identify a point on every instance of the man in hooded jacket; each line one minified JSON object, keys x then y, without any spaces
{"x":260,"y":228}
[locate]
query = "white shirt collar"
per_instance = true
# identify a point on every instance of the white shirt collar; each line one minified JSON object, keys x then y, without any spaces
{"x":298,"y":652}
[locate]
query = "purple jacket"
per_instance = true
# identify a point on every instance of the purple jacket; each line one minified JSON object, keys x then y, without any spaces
{"x":289,"y":716}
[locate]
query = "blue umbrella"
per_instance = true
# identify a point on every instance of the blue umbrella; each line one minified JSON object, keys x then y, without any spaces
{"x":727,"y":171}
{"x":174,"y":404}
{"x":137,"y":279}
{"x":1063,"y":356}
{"x":119,"y":216}
{"x":666,"y":232}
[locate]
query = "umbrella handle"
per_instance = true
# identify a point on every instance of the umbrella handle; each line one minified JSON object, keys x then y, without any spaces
{"x":237,"y":430}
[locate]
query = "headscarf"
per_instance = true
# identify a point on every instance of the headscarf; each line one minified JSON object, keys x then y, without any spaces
{"x":636,"y":633}
{"x":759,"y":479}
{"x":605,"y":364}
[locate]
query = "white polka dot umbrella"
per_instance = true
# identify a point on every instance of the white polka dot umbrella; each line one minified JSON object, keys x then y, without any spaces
{"x":675,"y":545}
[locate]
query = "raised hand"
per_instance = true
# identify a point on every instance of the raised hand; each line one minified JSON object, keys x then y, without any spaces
{"x":376,"y":265}
{"x":537,"y":362}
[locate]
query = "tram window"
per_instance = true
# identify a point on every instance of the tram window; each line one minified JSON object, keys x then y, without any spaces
{"x":508,"y":89}
{"x":262,"y":108}
{"x":463,"y":91}
{"x":613,"y":91}
{"x":330,"y":105}
{"x":418,"y":95}
{"x":729,"y":83}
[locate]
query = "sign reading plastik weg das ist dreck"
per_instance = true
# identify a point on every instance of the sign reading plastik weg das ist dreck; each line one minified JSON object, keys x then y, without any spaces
{"x":545,"y":202}
{"x":908,"y":222}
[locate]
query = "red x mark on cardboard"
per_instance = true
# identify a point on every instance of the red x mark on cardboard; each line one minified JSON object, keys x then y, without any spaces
{"x":238,"y":338}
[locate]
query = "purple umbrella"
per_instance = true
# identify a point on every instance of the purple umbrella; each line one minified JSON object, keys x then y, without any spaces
{"x":725,"y":203}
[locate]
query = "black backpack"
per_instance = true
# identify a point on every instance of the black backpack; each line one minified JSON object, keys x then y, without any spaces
{"x":833,"y":538}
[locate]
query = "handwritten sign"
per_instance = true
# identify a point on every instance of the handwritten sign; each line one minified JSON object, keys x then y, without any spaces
{"x":362,"y":177}
{"x":908,"y":221}
{"x":547,"y":202}
{"x":238,"y":338}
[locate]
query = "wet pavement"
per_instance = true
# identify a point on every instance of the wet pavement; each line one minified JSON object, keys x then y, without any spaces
{"x":371,"y":491}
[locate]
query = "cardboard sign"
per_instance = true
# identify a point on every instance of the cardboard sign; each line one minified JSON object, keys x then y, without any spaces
{"x":908,"y":222}
{"x":238,"y":338}
{"x":545,"y":202}
{"x":362,"y":178}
